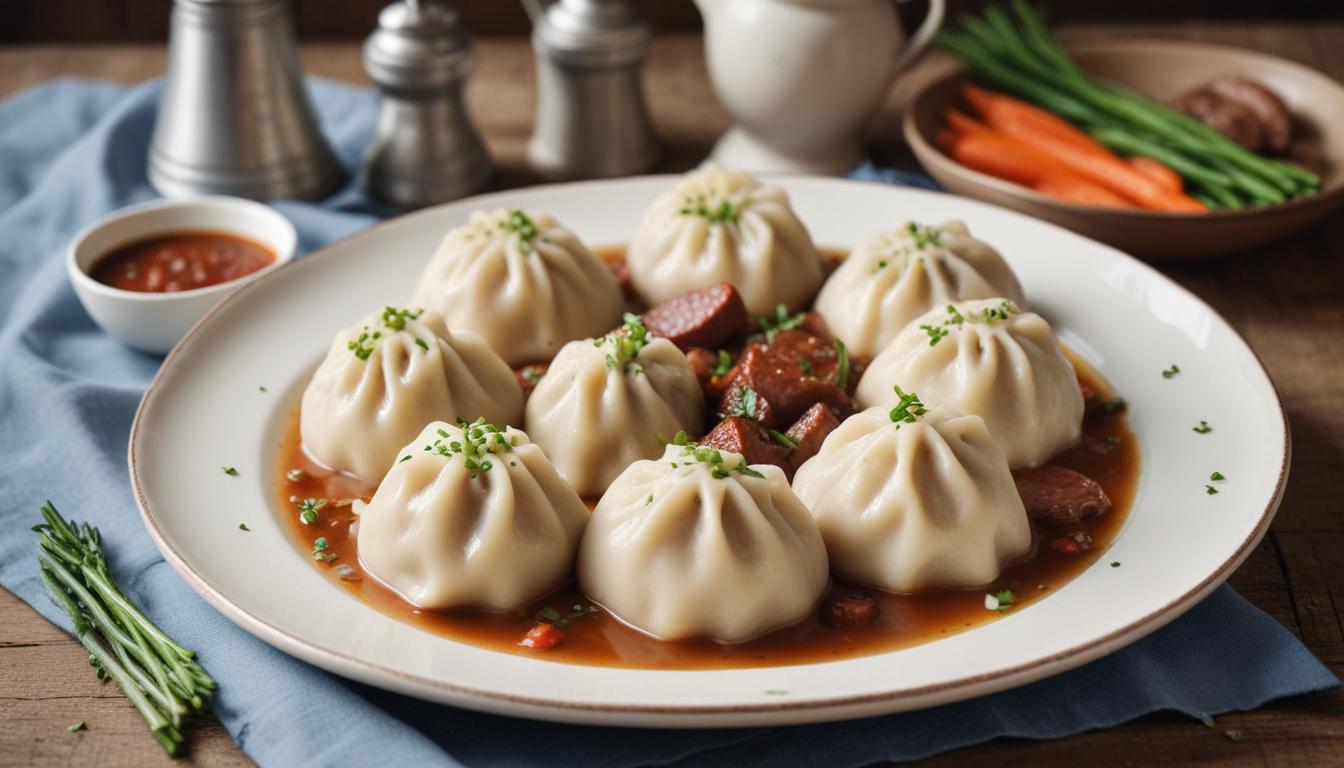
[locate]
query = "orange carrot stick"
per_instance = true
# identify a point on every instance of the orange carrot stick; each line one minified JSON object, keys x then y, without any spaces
{"x":1001,"y":156}
{"x":999,"y":110}
{"x":962,"y":124}
{"x":1075,"y":189}
{"x":1159,"y":173}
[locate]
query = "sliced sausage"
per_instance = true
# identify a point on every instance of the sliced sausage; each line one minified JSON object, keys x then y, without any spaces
{"x":1054,"y":495}
{"x":849,"y":611}
{"x":749,"y":438}
{"x":707,"y":317}
{"x":809,"y":432}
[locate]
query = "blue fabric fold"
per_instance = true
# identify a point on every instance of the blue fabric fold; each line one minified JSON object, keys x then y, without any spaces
{"x":71,"y":151}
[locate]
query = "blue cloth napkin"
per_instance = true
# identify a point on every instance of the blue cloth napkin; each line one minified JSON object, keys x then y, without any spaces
{"x":71,"y":151}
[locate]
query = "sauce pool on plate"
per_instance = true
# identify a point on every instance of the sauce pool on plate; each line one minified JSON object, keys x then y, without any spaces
{"x":180,"y":261}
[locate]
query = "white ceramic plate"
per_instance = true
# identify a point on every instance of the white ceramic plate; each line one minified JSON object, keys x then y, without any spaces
{"x":204,"y":410}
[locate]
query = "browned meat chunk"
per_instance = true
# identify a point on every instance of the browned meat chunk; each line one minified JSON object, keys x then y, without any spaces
{"x":706,"y":317}
{"x":1269,"y":110}
{"x":1054,"y":495}
{"x":809,"y":431}
{"x":776,"y":383}
{"x":750,"y":439}
{"x":849,"y":611}
{"x":528,"y":376}
{"x":1230,"y":118}
{"x":705,"y":362}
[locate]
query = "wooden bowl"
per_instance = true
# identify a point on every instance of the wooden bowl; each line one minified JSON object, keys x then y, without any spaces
{"x":1161,"y":70}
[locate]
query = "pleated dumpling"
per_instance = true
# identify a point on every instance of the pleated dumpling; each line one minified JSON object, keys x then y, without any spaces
{"x":900,"y":274}
{"x":720,"y":225}
{"x":910,"y":500}
{"x":384,"y":378}
{"x":606,"y":402}
{"x":470,"y":515}
{"x":522,"y":282}
{"x":990,"y":359}
{"x":697,"y":544}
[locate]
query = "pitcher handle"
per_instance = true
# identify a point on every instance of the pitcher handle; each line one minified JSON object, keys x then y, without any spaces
{"x":919,"y":42}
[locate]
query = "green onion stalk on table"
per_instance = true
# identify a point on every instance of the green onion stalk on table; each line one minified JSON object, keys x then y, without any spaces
{"x":161,"y":678}
{"x":1021,"y":56}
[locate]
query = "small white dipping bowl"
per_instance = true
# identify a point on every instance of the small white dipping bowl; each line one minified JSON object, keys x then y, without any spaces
{"x":153,"y":322}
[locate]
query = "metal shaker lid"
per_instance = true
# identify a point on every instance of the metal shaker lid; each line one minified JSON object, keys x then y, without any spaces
{"x":417,"y":45}
{"x":592,"y":32}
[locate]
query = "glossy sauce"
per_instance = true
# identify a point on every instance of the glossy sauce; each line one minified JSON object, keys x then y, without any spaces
{"x":180,"y":261}
{"x":600,"y":639}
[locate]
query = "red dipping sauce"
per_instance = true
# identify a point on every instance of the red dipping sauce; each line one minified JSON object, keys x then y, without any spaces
{"x":180,"y":261}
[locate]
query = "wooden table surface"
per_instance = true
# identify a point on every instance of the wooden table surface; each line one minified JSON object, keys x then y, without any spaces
{"x":1288,"y":300}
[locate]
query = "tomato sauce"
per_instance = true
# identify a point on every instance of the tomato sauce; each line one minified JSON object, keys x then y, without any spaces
{"x":1108,"y":453}
{"x":180,"y":261}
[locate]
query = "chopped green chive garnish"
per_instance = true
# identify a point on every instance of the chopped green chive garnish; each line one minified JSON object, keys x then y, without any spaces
{"x":480,"y":440}
{"x":407,"y":457}
{"x":783,"y":439}
{"x":1210,"y":490}
{"x":395,"y":319}
{"x":780,"y":320}
{"x":308,"y":510}
{"x":723,"y":213}
{"x":1112,"y":442}
{"x":1115,"y":563}
{"x":746,"y":404}
{"x":1203,"y":428}
{"x":806,"y":365}
{"x":79,"y":726}
{"x":1216,"y":476}
{"x":626,"y":344}
{"x":936,"y":333}
{"x":1171,"y":372}
{"x":841,"y":365}
{"x":1114,"y":405}
{"x":725,"y":364}
{"x":230,"y":471}
{"x":519,"y":224}
{"x":907,"y":409}
{"x":924,"y":236}
{"x":295,"y":475}
{"x":320,"y":550}
{"x":243,"y":527}
{"x":262,"y":389}
{"x":421,"y":343}
{"x":712,"y":456}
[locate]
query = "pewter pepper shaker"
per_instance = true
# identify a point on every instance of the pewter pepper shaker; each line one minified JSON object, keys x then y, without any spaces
{"x":234,"y":118}
{"x":424,"y":149}
{"x":591,"y":117}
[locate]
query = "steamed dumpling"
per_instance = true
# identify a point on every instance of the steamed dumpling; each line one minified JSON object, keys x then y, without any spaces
{"x":718,"y":225}
{"x":522,"y":282}
{"x":990,"y":359}
{"x":385,"y":377}
{"x":918,"y":501}
{"x":698,"y":545}
{"x":473,"y":516}
{"x":899,"y":275}
{"x":604,"y":403}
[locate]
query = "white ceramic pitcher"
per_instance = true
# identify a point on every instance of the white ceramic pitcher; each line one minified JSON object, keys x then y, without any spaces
{"x":802,"y":77}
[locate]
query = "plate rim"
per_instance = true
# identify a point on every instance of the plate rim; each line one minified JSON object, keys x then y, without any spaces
{"x":484,"y":699}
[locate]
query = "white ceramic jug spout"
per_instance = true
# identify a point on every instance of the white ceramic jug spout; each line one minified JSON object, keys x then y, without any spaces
{"x":802,"y":77}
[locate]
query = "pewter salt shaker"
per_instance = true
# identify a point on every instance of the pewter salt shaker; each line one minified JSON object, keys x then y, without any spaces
{"x":234,"y":118}
{"x":591,"y":118}
{"x":424,"y":149}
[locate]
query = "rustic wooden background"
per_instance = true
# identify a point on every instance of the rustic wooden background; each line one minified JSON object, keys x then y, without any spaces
{"x":1288,"y":300}
{"x":107,"y":20}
